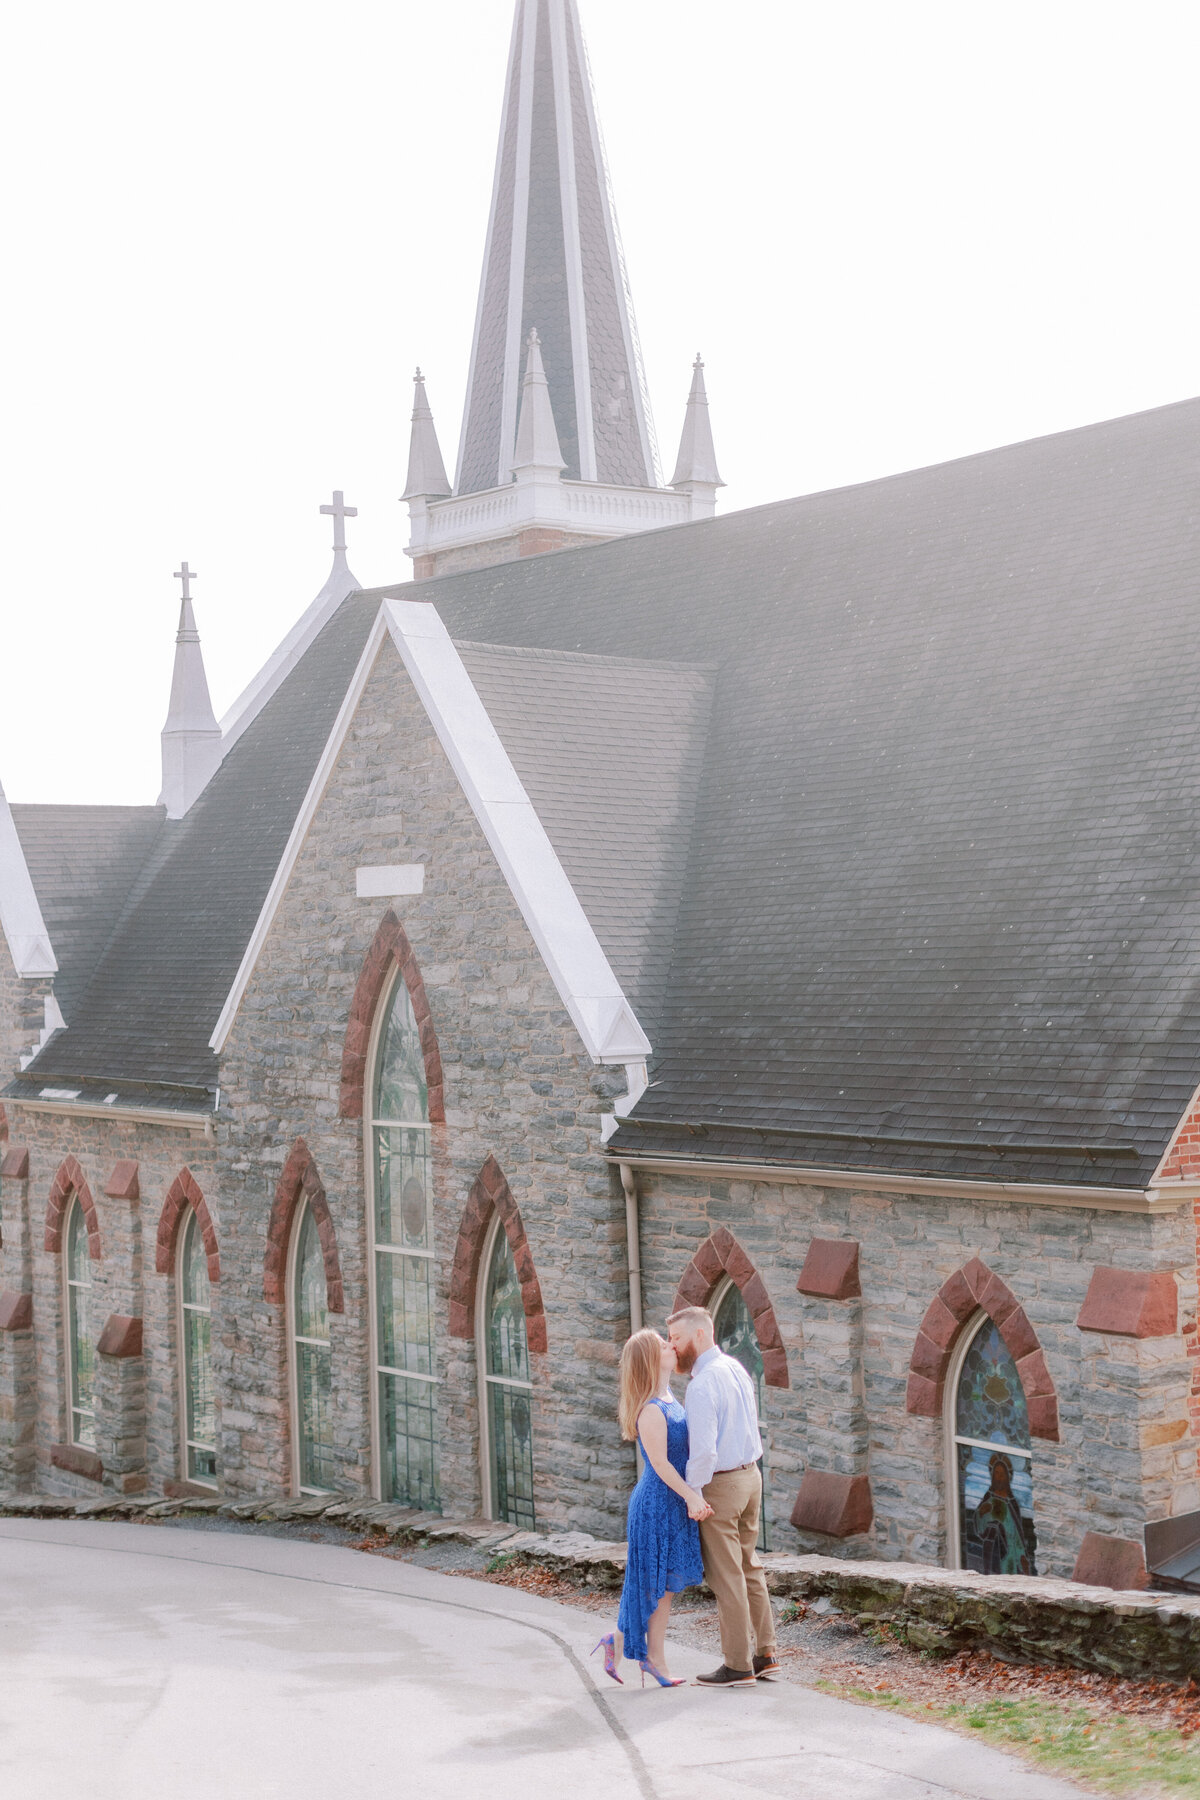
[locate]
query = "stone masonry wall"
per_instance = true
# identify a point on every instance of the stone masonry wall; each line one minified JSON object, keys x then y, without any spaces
{"x":1127,"y":1454}
{"x":518,"y":1086}
{"x":137,"y":1396}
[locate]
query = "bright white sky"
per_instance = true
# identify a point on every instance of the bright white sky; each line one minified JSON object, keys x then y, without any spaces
{"x":898,"y":233}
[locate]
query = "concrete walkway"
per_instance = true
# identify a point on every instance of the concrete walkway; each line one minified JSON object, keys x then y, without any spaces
{"x":192,"y":1664}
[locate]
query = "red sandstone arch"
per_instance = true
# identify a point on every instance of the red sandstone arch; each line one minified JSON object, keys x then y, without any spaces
{"x":70,"y":1180}
{"x":956,"y":1301}
{"x":298,"y":1181}
{"x":182,"y":1193}
{"x":3,"y":1125}
{"x":390,"y":949}
{"x":721,"y":1254}
{"x":490,"y":1193}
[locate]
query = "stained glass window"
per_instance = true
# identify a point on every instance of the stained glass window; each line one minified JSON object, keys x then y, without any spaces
{"x":80,"y":1346}
{"x":509,"y":1391}
{"x":314,"y":1374}
{"x":195,"y":1320}
{"x":993,"y":1462}
{"x":401,"y":1167}
{"x":735,"y":1333}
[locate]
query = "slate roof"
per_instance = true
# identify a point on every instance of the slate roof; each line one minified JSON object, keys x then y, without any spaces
{"x":82,"y":861}
{"x":936,"y":738}
{"x":944,"y":885}
{"x":146,"y":1015}
{"x":610,"y":751}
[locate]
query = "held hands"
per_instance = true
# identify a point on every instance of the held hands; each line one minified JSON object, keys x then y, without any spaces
{"x":698,"y":1507}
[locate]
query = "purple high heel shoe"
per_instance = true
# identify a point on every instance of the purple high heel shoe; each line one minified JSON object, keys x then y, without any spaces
{"x":608,"y":1645}
{"x":648,"y":1668}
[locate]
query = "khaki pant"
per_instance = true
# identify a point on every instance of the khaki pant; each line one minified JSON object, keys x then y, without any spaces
{"x":731,"y":1567}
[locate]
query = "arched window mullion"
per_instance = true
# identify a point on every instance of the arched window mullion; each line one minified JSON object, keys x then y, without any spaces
{"x":310,"y":1357}
{"x":80,"y":1344}
{"x":734,"y":1332}
{"x":399,"y":1162}
{"x":505,"y":1385}
{"x":197,"y":1397}
{"x":989,"y":1456}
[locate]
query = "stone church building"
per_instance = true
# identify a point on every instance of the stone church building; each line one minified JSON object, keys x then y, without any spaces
{"x":791,"y":911}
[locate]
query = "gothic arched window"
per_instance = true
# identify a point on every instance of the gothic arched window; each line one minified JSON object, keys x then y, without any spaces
{"x":195,"y":1356}
{"x":81,"y":1356}
{"x":399,"y":1157}
{"x":312,"y":1363}
{"x":734,"y":1331}
{"x":990,"y":1471}
{"x":506,"y":1390}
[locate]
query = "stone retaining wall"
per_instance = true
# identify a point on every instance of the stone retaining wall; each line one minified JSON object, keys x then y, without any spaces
{"x":1032,"y":1619}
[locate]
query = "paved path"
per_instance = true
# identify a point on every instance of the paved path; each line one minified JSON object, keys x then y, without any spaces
{"x":192,"y":1664}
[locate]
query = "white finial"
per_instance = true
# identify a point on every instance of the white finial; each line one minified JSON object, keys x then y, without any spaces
{"x":537,"y":446}
{"x":427,"y":478}
{"x":191,"y":737}
{"x":696,"y":465}
{"x":339,"y":512}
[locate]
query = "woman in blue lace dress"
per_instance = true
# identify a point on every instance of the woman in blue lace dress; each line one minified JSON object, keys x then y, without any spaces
{"x":664,"y":1543}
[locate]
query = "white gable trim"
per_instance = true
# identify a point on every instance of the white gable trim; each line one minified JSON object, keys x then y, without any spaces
{"x":549,"y":904}
{"x":281,"y":662}
{"x":20,"y":912}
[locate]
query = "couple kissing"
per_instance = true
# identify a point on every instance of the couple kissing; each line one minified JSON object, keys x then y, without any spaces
{"x":694,"y":1513}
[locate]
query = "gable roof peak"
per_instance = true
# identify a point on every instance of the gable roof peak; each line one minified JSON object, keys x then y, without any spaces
{"x":427,"y":478}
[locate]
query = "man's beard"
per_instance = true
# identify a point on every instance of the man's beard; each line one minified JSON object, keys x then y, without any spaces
{"x":685,"y":1358}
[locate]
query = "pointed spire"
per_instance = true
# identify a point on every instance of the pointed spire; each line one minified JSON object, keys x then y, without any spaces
{"x":191,"y":737}
{"x":537,"y":436}
{"x":696,"y":465}
{"x":427,"y":479}
{"x":553,"y":259}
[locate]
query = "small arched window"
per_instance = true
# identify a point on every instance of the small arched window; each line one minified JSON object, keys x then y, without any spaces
{"x":312,"y":1368}
{"x":400,"y":1160}
{"x":506,"y":1390}
{"x":195,"y":1356}
{"x":990,"y":1462}
{"x":734,"y":1331}
{"x":81,"y":1354}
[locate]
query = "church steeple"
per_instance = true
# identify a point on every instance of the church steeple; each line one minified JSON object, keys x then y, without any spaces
{"x":191,"y":737}
{"x":553,"y":264}
{"x":559,"y":453}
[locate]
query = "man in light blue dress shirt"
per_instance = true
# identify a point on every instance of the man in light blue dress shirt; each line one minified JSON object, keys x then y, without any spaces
{"x":724,"y":1447}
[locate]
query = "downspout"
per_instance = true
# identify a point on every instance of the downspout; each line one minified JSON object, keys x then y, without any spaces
{"x":633,"y":1245}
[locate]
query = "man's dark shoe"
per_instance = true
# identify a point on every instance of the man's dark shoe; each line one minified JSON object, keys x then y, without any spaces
{"x":766,"y":1667}
{"x":726,"y":1677}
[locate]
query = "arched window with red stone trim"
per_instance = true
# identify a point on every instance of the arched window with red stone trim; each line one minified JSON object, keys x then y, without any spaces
{"x":719,"y":1256}
{"x":186,"y":1247}
{"x":977,"y":1364}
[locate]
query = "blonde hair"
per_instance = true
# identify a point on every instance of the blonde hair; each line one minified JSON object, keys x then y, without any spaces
{"x":641,"y":1377}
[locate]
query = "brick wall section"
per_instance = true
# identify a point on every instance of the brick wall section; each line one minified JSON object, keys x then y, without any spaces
{"x":518,"y":1087}
{"x":1126,"y":1453}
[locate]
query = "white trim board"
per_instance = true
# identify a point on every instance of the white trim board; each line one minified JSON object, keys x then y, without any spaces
{"x":549,"y":904}
{"x":20,"y":910}
{"x":283,"y":660}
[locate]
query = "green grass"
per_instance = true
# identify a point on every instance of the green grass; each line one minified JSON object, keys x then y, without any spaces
{"x":1116,"y":1755}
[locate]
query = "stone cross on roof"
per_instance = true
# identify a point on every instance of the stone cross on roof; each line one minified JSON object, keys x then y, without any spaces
{"x":340,"y":512}
{"x":187,"y":576}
